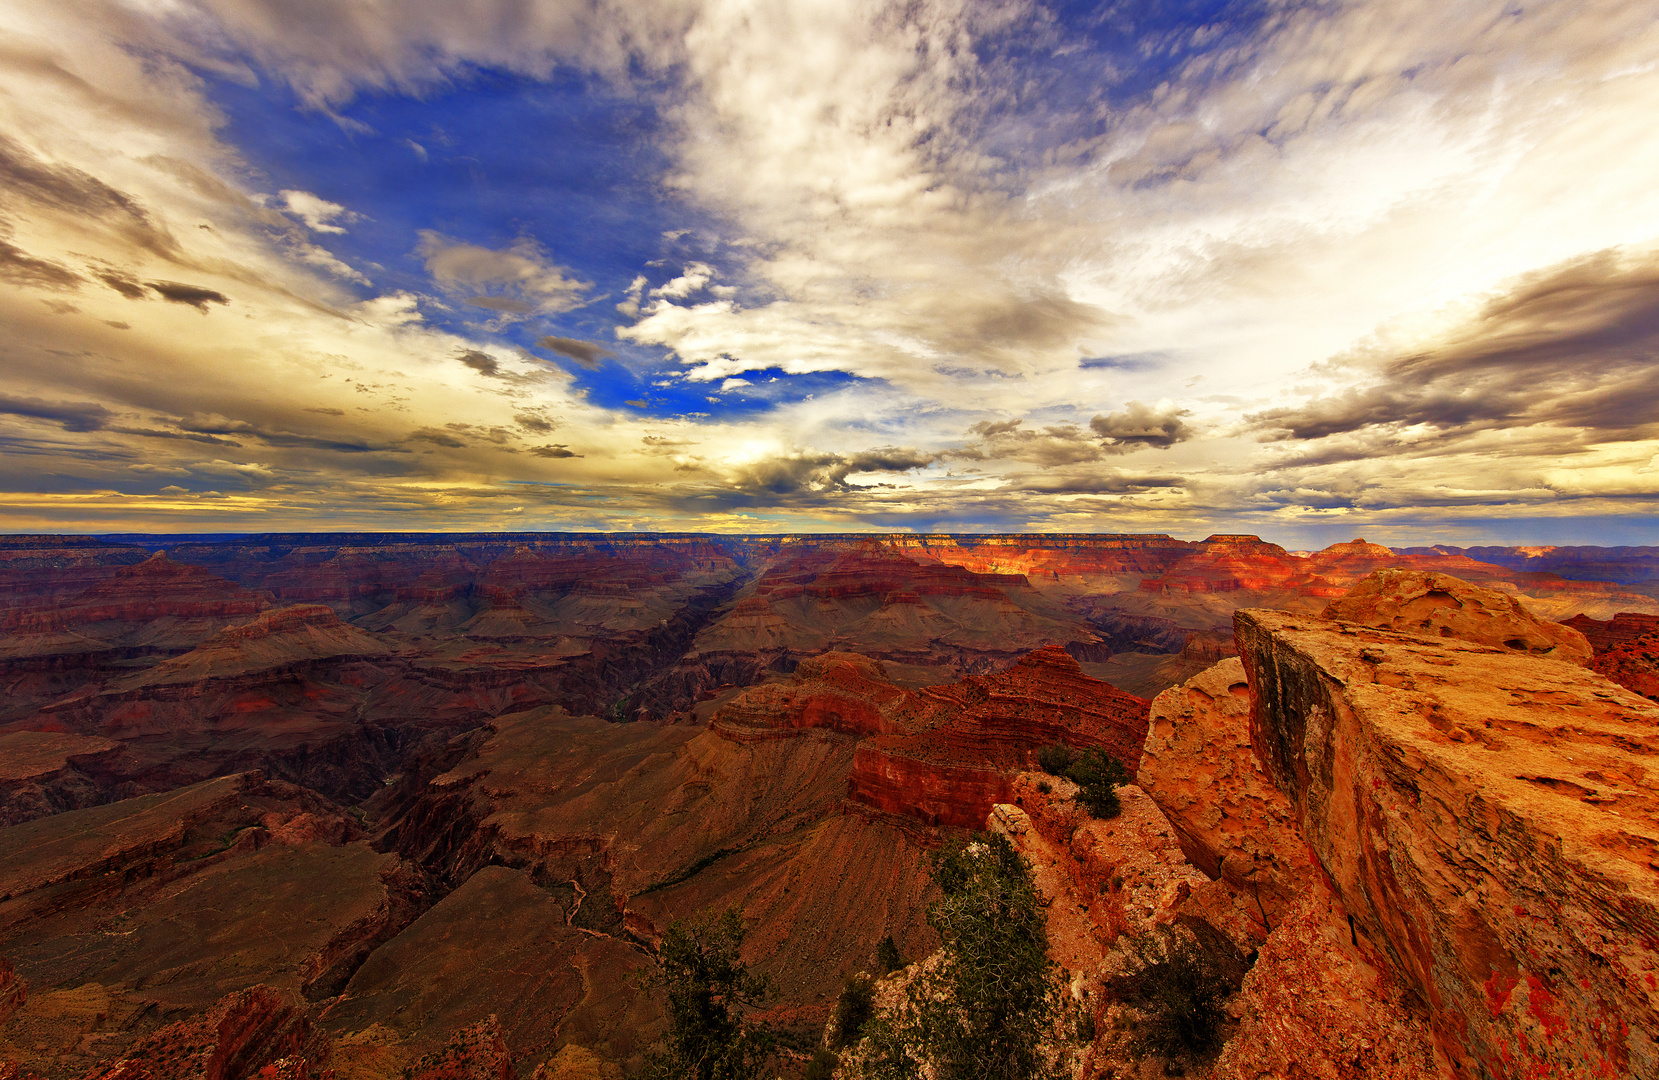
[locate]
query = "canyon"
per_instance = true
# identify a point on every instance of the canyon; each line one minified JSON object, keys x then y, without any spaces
{"x":267,"y":802}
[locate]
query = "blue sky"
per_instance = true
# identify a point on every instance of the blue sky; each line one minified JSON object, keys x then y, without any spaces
{"x":1304,"y":270}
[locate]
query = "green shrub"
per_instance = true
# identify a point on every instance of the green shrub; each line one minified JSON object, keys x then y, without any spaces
{"x":822,"y":1066}
{"x":1179,"y":978}
{"x":888,"y":959}
{"x":983,"y":1012}
{"x":1097,"y":776}
{"x":853,"y":1008}
{"x":1056,"y":759}
{"x":709,"y":988}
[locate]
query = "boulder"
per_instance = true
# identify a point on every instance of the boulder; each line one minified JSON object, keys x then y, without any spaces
{"x":1439,"y":605}
{"x":1487,"y":818}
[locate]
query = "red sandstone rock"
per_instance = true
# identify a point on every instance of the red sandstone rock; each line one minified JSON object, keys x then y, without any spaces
{"x":13,"y":991}
{"x":1487,"y":819}
{"x":477,"y":1053}
{"x":245,"y":1031}
{"x":1439,"y":605}
{"x":955,"y":747}
{"x":1634,"y":665}
{"x":1315,"y":1006}
{"x":1621,"y":629}
{"x":1200,"y":768}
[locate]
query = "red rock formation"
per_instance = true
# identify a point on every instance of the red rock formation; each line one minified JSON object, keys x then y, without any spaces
{"x":1634,"y":665}
{"x":1439,"y":605}
{"x":157,"y":588}
{"x":1486,"y":820}
{"x":13,"y":991}
{"x":1621,"y":629}
{"x":1229,"y":563}
{"x":243,"y":1032}
{"x":954,"y":747}
{"x":478,"y":1053}
{"x":836,"y":691}
{"x":1232,"y":822}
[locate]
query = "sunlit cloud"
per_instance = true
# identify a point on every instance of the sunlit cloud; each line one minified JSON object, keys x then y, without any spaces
{"x":951,"y":263}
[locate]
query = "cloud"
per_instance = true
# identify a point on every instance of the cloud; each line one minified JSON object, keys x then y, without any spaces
{"x":1140,"y":426}
{"x":71,"y":415}
{"x":21,"y":268}
{"x":481,"y":362}
{"x":693,"y":278}
{"x":585,"y":353}
{"x":1115,"y":482}
{"x":318,"y":214}
{"x":1010,"y":440}
{"x":26,"y":178}
{"x":1572,"y":346}
{"x":437,"y":437}
{"x":532,"y":422}
{"x":194,"y":295}
{"x":125,"y":284}
{"x":556,"y":450}
{"x":517,"y":280}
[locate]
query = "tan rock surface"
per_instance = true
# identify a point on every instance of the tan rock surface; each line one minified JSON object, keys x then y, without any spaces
{"x":577,"y":1063}
{"x":1438,"y":605}
{"x":1489,"y":821}
{"x":1233,"y":824}
{"x":1315,"y":1007}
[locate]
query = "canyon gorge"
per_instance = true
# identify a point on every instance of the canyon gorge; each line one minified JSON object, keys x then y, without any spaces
{"x":422,"y":805}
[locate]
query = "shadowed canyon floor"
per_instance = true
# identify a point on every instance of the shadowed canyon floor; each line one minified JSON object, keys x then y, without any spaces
{"x":373,"y":803}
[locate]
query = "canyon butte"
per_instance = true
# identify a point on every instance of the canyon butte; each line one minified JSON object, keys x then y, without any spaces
{"x":422,"y":805}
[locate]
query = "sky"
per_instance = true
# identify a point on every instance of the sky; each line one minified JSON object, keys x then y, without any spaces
{"x":1307,"y":270}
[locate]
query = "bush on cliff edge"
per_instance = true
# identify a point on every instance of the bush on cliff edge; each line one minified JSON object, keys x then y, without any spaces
{"x":1096,"y":774}
{"x":983,"y":1011}
{"x":709,"y":990}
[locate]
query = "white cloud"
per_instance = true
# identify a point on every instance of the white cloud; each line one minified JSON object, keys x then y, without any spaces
{"x":318,"y":214}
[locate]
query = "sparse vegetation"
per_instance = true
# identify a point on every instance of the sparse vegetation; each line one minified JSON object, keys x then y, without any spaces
{"x":983,"y":1012}
{"x":1179,"y":979}
{"x":888,"y":959}
{"x":709,"y":990}
{"x":1056,"y":759}
{"x":821,"y":1066}
{"x":1096,"y":774}
{"x":853,"y":1008}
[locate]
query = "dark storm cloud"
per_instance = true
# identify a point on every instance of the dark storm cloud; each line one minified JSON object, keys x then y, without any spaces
{"x":1116,"y":483}
{"x":125,"y":285}
{"x":585,"y":353}
{"x":809,"y":478}
{"x":194,"y":295}
{"x":557,"y":450}
{"x":481,"y":362}
{"x":1051,"y":446}
{"x":436,"y":436}
{"x":1574,"y":346}
{"x":532,"y":422}
{"x":20,"y":268}
{"x":59,"y":187}
{"x":72,"y":415}
{"x":1140,"y":425}
{"x":213,"y":425}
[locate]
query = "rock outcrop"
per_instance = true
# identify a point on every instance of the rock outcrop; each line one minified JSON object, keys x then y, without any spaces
{"x":954,"y":748}
{"x":1232,"y":822}
{"x":1634,"y":665}
{"x":1439,"y":605}
{"x":1487,"y":821}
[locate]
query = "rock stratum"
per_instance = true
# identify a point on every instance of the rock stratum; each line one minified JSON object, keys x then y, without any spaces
{"x":267,"y":802}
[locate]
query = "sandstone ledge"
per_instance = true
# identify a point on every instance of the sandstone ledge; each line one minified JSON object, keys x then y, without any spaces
{"x":1488,"y":821}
